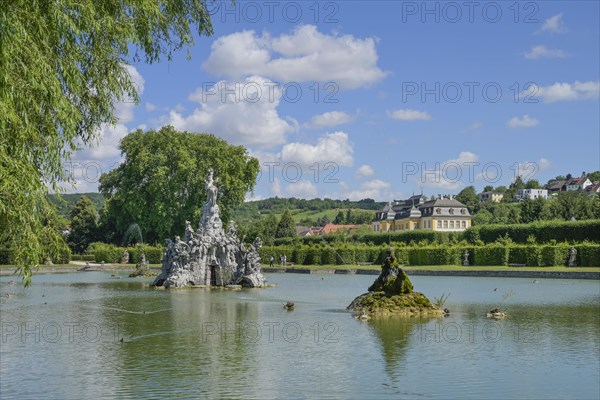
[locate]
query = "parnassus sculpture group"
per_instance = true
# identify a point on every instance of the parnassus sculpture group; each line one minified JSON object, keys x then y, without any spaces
{"x":209,"y":255}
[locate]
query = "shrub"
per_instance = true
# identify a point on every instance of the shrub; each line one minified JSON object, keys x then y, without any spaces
{"x":153,"y":255}
{"x":106,"y":252}
{"x":491,"y":255}
{"x":588,"y":255}
{"x":554,"y":255}
{"x":544,"y":231}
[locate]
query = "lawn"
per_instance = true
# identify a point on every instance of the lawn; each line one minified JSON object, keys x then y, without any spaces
{"x":450,"y":268}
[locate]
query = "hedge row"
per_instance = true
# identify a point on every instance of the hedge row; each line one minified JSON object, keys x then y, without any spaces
{"x":113,"y":254}
{"x":6,"y":258}
{"x":543,"y":231}
{"x":376,"y":239}
{"x":588,"y":254}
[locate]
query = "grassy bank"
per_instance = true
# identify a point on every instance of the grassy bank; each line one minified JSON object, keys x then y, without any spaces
{"x":448,"y":268}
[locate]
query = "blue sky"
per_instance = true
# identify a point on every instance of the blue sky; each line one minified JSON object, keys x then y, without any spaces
{"x":381,"y":99}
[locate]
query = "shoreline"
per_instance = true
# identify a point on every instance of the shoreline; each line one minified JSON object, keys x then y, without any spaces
{"x":416,"y":271}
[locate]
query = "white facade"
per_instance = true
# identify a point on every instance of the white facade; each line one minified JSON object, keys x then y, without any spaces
{"x":531,"y":194}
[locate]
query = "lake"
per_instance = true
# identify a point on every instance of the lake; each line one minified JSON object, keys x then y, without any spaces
{"x":90,"y":335}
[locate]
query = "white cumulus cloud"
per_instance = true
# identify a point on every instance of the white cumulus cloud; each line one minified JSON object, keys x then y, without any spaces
{"x":244,"y":113}
{"x":302,"y":189}
{"x":303,"y":55}
{"x":409,"y":115}
{"x":541,"y":51}
{"x":331,"y":119}
{"x":564,"y":91}
{"x":554,"y":24}
{"x":524,"y":122}
{"x":364,"y":171}
{"x":332,"y":148}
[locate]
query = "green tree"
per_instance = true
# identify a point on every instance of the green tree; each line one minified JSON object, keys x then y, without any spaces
{"x":160,"y":183}
{"x":286,"y":226}
{"x":594,"y":177}
{"x":62,"y":68}
{"x":531,"y":210}
{"x":571,"y":204}
{"x":500,"y":189}
{"x":533,"y":184}
{"x":84,"y":225}
{"x":339,"y":218}
{"x":469,"y":198}
{"x":488,"y":188}
{"x":482,"y":217}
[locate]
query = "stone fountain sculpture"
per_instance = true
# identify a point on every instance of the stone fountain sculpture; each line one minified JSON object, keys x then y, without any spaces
{"x":210,"y":256}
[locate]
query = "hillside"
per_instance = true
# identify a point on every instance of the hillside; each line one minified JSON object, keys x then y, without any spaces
{"x":303,"y":211}
{"x":65,"y":202}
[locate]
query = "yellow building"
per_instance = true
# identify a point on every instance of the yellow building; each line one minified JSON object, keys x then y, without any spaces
{"x":444,"y":214}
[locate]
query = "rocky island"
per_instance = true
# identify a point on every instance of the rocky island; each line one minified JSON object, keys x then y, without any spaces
{"x":392,"y":294}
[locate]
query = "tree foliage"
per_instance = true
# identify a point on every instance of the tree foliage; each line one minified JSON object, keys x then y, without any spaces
{"x":84,"y":225}
{"x":286,"y":226}
{"x":160,"y":183}
{"x":469,"y":198}
{"x":62,"y":68}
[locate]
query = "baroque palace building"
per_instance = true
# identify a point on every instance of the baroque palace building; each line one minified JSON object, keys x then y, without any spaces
{"x":443,"y":214}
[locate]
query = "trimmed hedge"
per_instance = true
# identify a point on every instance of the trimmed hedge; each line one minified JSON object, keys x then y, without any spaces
{"x":434,"y":256}
{"x":491,"y":255}
{"x":588,"y":255}
{"x":544,"y":231}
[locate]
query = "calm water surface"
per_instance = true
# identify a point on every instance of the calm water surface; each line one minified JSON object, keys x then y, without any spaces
{"x":61,"y":339}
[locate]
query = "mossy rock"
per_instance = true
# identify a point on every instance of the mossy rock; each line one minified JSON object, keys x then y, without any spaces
{"x":380,"y":304}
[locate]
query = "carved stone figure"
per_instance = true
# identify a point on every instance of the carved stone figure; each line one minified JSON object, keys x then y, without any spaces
{"x":125,"y":257}
{"x":210,"y":256}
{"x":573,"y":257}
{"x":466,"y":258}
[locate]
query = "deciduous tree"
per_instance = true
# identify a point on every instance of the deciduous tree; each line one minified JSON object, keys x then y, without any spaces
{"x":160,"y":183}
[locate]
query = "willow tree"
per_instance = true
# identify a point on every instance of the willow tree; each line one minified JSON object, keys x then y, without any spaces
{"x":63,"y":66}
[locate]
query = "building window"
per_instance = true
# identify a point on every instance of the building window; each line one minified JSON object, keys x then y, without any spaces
{"x":438,"y":210}
{"x":445,"y":224}
{"x":439,"y":224}
{"x":463,"y":211}
{"x":463,"y":224}
{"x":452,"y":211}
{"x":451,"y":224}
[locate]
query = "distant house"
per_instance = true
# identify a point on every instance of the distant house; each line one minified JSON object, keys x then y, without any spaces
{"x":530,"y":194}
{"x":315,"y":230}
{"x":578,"y":183}
{"x":556,"y":186}
{"x":593,"y":188}
{"x":572,"y":184}
{"x":332,"y":228}
{"x":302,"y":230}
{"x":491,"y":196}
{"x":443,"y":214}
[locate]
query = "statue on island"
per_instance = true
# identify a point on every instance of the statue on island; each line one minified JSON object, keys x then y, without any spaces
{"x":573,"y":257}
{"x":210,"y":256}
{"x":125,"y":257}
{"x":392,"y":294}
{"x":466,"y":258}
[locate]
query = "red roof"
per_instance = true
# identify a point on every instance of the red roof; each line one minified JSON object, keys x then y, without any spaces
{"x":332,"y":228}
